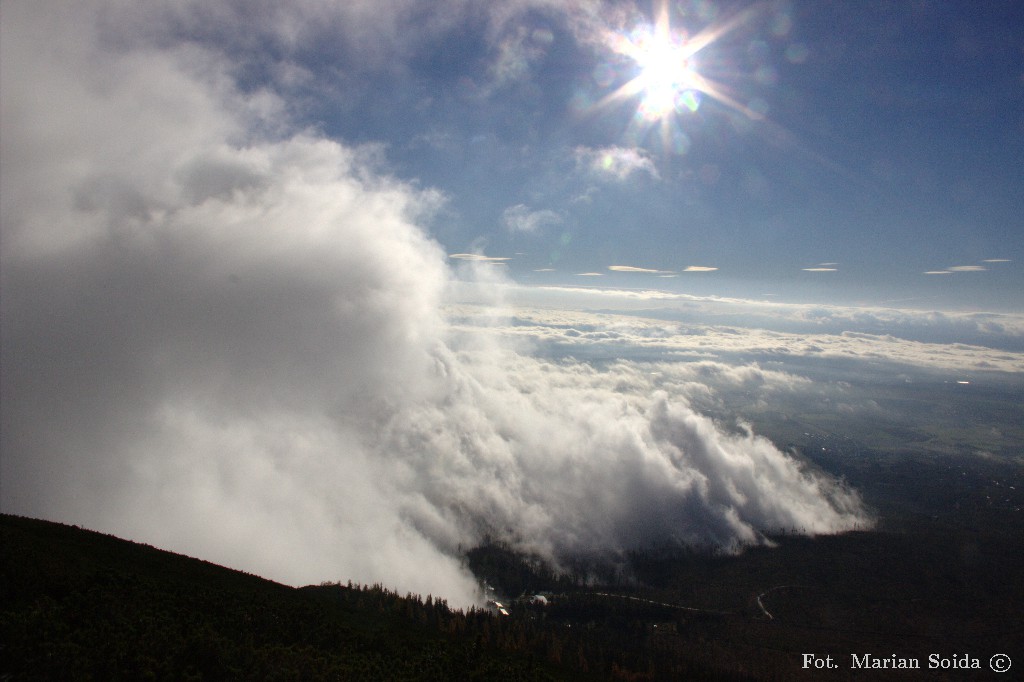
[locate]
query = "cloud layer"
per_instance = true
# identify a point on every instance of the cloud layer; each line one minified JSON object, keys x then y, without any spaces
{"x":587,"y":334}
{"x":226,"y":338}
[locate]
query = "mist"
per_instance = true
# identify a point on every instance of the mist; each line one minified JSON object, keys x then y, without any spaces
{"x":226,"y":337}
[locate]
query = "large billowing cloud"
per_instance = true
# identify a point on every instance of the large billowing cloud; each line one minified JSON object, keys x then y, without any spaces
{"x":567,"y":460}
{"x":226,"y":338}
{"x":197,"y":322}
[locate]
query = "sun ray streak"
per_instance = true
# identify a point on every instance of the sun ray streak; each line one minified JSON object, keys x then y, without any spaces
{"x":717,"y":91}
{"x":627,"y":90}
{"x":712,"y":34}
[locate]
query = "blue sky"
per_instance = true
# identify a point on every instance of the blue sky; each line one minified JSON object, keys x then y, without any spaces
{"x":880,"y":140}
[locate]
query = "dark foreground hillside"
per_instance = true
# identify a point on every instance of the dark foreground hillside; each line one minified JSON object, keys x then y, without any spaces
{"x":79,"y":605}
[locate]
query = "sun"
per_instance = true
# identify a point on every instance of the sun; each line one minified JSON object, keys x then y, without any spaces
{"x":667,"y":78}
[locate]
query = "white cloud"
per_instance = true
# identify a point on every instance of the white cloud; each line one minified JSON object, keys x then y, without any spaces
{"x":628,"y":335}
{"x":699,"y":268}
{"x":994,"y":330}
{"x":618,"y":163}
{"x":520,"y":218}
{"x":967,"y":268}
{"x":575,"y":459}
{"x":617,"y":293}
{"x":207,"y":315}
{"x":478,"y":257}
{"x":630,"y":268}
{"x":518,"y":49}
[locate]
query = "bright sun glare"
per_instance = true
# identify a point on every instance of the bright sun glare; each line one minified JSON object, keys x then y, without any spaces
{"x":667,"y":78}
{"x":668,"y":81}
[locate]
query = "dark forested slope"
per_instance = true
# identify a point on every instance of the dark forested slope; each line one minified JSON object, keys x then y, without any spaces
{"x":80,"y":605}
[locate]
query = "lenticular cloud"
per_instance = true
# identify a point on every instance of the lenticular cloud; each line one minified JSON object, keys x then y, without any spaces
{"x":231,"y":344}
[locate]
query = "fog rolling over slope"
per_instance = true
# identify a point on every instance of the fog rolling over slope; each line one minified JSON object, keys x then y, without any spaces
{"x":223,"y":335}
